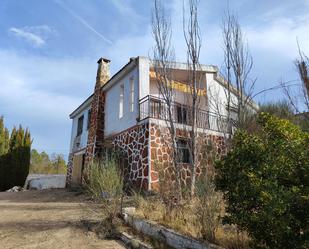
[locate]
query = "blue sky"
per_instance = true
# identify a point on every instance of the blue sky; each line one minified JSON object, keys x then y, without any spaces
{"x":49,"y":49}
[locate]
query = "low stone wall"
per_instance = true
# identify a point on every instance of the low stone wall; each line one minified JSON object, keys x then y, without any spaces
{"x":168,"y":236}
{"x":40,"y":181}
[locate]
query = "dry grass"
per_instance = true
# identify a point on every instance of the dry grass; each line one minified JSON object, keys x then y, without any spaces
{"x":229,"y":237}
{"x":186,"y":219}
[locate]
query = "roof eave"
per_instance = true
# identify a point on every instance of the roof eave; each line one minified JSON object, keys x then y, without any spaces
{"x":81,"y":107}
{"x":127,"y":67}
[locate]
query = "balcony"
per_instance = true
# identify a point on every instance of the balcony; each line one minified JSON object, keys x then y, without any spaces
{"x":154,"y":107}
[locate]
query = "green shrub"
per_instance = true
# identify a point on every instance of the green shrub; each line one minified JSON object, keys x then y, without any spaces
{"x":14,"y":156}
{"x":265,"y":183}
{"x":105,"y":185}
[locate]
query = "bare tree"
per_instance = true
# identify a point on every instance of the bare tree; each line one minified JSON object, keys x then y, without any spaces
{"x":300,"y":101}
{"x":238,"y":64}
{"x":227,"y":37}
{"x":163,"y":60}
{"x":193,"y":41}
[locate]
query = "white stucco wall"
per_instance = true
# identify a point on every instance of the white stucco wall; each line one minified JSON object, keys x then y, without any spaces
{"x":114,"y":124}
{"x":84,"y":135}
{"x":143,"y":75}
{"x":217,"y":96}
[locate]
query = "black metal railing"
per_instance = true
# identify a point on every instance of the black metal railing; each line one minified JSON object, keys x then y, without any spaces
{"x":154,"y":107}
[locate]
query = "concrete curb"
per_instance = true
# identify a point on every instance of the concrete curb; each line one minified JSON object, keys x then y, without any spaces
{"x":131,"y":242}
{"x":167,"y":236}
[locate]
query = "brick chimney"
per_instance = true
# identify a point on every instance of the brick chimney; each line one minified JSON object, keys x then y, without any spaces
{"x":96,"y":129}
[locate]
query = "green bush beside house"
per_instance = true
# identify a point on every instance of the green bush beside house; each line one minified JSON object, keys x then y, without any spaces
{"x":265,"y":181}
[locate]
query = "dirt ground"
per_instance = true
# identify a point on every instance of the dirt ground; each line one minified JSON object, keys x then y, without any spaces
{"x":48,"y":219}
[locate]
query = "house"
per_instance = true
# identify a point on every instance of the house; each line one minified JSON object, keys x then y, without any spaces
{"x":126,"y":113}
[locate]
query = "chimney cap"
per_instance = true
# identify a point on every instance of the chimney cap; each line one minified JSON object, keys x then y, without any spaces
{"x":103,"y":59}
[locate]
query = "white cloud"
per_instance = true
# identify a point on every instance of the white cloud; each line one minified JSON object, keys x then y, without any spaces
{"x":41,"y":81}
{"x":43,"y":30}
{"x":34,"y":39}
{"x":35,"y":35}
{"x":279,"y":36}
{"x":41,"y":92}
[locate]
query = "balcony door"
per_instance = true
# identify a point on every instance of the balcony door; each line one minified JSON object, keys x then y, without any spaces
{"x":156,"y":108}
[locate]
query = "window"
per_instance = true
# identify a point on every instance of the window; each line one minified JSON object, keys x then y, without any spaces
{"x":181,"y":112}
{"x":89,"y":119}
{"x":121,"y":99}
{"x":132,"y":94}
{"x":183,"y":151}
{"x":80,"y":125}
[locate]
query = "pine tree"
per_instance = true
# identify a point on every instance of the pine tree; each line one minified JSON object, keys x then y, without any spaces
{"x":26,"y":155}
{"x":2,"y":137}
{"x":13,"y":138}
{"x":14,"y":156}
{"x":6,"y":140}
{"x":2,"y":148}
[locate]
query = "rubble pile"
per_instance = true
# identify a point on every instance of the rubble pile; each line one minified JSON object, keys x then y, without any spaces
{"x":15,"y":189}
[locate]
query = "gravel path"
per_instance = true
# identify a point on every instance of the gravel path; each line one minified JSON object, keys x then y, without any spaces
{"x":47,"y":219}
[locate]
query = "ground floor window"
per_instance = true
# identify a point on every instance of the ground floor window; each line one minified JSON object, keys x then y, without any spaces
{"x":183,"y":150}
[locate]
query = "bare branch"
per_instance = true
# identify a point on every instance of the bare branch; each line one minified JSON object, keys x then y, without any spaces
{"x":193,"y":41}
{"x":238,"y":64}
{"x":300,"y":100}
{"x":280,"y":86}
{"x":163,"y":57}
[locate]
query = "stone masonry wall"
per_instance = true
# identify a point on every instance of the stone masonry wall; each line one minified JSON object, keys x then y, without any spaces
{"x":96,"y":129}
{"x":211,"y":147}
{"x":69,"y":170}
{"x":133,"y":144}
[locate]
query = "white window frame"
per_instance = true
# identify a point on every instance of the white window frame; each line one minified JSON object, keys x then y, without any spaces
{"x":131,"y":94}
{"x":121,"y":100}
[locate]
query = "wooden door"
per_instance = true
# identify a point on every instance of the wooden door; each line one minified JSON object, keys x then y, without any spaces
{"x":77,"y":169}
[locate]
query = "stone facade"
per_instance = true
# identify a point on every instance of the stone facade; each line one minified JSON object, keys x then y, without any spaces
{"x":95,"y":139}
{"x":96,"y":128}
{"x":69,"y":170}
{"x":211,"y":146}
{"x":146,"y":153}
{"x":133,"y":144}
